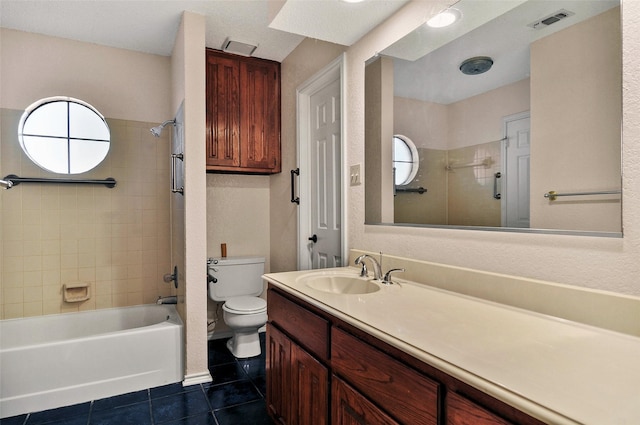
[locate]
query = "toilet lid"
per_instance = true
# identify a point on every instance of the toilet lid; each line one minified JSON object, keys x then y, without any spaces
{"x":245,"y":305}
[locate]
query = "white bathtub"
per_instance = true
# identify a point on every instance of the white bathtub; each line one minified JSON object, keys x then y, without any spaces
{"x":58,"y":360}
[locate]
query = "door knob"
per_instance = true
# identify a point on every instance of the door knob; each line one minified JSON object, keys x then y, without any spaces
{"x":314,"y":238}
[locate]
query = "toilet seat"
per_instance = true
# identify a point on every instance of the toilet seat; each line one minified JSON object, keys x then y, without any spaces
{"x":245,"y":305}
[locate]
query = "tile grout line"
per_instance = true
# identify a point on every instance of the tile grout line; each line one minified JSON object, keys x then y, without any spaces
{"x":150,"y":406}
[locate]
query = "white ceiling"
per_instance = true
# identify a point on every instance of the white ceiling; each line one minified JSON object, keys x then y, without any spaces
{"x":429,"y":66}
{"x":150,"y":26}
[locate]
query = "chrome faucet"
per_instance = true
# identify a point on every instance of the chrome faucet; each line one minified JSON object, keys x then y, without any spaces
{"x":387,"y":276}
{"x":377,"y":270}
{"x":167,"y":300}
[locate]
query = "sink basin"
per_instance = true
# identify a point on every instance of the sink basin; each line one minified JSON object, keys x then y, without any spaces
{"x":341,"y":284}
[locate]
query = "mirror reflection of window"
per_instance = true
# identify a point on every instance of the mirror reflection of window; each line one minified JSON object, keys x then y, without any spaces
{"x":64,"y":135}
{"x":405,"y":160}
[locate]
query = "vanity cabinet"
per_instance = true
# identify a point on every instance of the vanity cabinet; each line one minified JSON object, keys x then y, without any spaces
{"x":298,"y":381}
{"x":462,"y":411}
{"x":242,"y":114}
{"x":350,"y":407}
{"x":317,"y":362}
{"x":298,"y":387}
{"x":406,"y":394}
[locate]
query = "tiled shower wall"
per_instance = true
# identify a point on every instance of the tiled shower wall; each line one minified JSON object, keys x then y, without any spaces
{"x":470,"y":189}
{"x":116,"y":240}
{"x":462,"y":196}
{"x":429,"y":207}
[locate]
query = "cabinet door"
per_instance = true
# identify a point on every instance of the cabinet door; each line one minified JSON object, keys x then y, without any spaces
{"x":310,"y":386}
{"x":223,"y":111}
{"x":260,"y":118}
{"x":461,"y":411}
{"x":278,"y":375}
{"x":351,"y":408}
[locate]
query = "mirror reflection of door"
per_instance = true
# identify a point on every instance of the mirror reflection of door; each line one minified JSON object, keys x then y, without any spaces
{"x":516,"y":176}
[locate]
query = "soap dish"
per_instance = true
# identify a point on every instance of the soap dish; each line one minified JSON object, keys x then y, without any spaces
{"x":76,"y":292}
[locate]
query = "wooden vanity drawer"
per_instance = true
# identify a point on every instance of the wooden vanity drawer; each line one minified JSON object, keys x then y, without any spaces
{"x":404,"y":393}
{"x":461,"y":411}
{"x":308,"y":329}
{"x":350,"y":407}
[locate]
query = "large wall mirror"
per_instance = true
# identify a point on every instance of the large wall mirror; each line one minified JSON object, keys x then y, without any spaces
{"x":514,"y":112}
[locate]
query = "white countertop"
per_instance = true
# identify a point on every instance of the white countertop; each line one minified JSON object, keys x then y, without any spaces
{"x":558,"y":371}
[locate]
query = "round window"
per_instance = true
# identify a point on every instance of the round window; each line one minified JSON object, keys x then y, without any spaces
{"x":64,"y":135}
{"x":405,"y":160}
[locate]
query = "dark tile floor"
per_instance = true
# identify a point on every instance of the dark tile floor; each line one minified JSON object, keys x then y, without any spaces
{"x":235,"y":397}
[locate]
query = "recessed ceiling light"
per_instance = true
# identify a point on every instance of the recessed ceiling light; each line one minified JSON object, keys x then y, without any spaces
{"x":444,"y":19}
{"x":352,"y":1}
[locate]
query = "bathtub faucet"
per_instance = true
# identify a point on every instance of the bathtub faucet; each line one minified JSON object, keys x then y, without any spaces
{"x":167,"y":300}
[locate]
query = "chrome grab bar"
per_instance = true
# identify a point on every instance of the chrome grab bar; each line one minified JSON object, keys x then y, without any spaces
{"x":552,"y":195}
{"x":174,"y":177}
{"x":15,"y":180}
{"x":419,"y":190}
{"x":496,"y":176}
{"x":453,"y":166}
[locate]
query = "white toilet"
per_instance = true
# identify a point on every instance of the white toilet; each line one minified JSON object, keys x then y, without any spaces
{"x":238,"y":281}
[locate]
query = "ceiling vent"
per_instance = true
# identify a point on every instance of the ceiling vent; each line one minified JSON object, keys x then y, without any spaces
{"x":551,"y":19}
{"x":238,"y":47}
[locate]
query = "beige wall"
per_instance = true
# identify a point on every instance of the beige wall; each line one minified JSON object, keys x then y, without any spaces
{"x":120,"y":83}
{"x":470,"y":189}
{"x":307,"y":59}
{"x":579,"y":154}
{"x":237,"y":215}
{"x":379,"y":134}
{"x":425,"y":123}
{"x":188,"y":70}
{"x":482,"y":114}
{"x":117,"y":240}
{"x":465,"y":132}
{"x":604,"y":263}
{"x":429,"y":207}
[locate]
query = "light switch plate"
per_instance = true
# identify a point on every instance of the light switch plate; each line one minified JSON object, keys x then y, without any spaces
{"x":354,"y":175}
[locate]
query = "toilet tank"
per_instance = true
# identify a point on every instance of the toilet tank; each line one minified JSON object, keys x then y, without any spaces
{"x":236,"y":276}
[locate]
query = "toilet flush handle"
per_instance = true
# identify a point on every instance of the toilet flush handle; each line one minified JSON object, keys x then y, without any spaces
{"x":211,"y":278}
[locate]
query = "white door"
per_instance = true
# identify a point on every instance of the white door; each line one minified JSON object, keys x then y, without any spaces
{"x":516,"y":176}
{"x":320,"y":229}
{"x":325,"y":171}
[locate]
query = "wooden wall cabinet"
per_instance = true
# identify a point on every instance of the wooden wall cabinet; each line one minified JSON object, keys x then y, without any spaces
{"x":243,"y":114}
{"x":317,"y":362}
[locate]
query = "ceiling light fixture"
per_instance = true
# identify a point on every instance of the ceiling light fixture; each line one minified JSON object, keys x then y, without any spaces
{"x":444,"y":19}
{"x":352,"y":1}
{"x":477,"y":65}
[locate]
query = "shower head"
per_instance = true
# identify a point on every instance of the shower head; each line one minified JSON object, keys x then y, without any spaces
{"x":6,"y":184}
{"x":157,"y":131}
